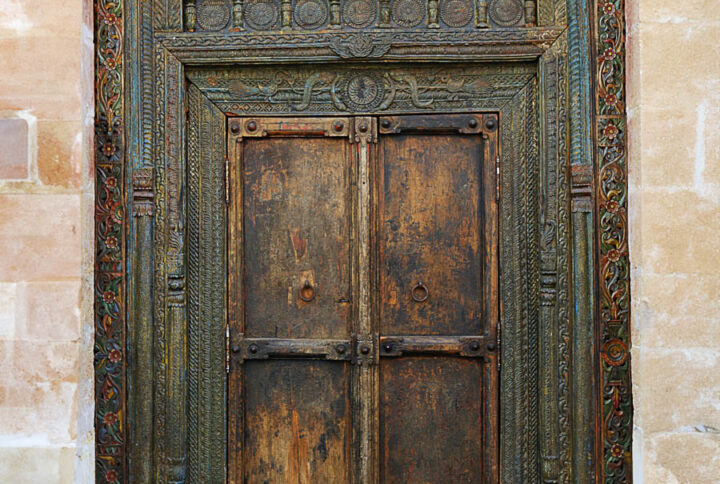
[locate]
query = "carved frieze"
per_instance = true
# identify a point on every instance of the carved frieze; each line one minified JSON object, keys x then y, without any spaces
{"x":308,"y":15}
{"x":372,"y":89}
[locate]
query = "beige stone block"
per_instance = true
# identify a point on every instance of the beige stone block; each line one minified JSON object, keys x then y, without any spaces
{"x":41,"y":18}
{"x":8,"y":296}
{"x":667,"y":147}
{"x":41,"y":74}
{"x":669,"y":11}
{"x":43,"y":410}
{"x":60,"y":153}
{"x":678,"y":65}
{"x":675,"y":231}
{"x":30,"y":464}
{"x":39,"y":237}
{"x":677,"y":389}
{"x":49,"y":311}
{"x":36,"y":361}
{"x":14,"y":149}
{"x":684,"y":458}
{"x":710,"y":173}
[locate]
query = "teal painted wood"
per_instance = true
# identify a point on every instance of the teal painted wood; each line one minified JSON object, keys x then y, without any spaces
{"x":133,"y":378}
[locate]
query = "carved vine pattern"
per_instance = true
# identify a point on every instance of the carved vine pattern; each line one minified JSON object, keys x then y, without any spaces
{"x":612,"y":231}
{"x":110,"y":218}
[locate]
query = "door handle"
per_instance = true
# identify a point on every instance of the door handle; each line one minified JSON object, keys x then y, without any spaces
{"x":307,"y":291}
{"x":420,"y":292}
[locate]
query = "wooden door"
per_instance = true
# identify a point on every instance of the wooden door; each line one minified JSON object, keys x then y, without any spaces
{"x":363,"y":300}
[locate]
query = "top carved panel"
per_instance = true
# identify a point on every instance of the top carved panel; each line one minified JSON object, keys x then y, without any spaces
{"x":353,"y":15}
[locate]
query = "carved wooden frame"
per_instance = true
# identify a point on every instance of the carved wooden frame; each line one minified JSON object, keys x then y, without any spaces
{"x":582,"y":283}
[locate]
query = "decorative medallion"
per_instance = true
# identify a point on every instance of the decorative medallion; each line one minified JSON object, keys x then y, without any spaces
{"x":505,"y":13}
{"x":408,"y":13}
{"x":362,"y":92}
{"x":310,"y":13}
{"x":261,"y":14}
{"x":456,"y":13}
{"x":359,"y":13}
{"x":213,"y":15}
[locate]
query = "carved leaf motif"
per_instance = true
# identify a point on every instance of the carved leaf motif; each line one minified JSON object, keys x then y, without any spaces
{"x":360,"y":46}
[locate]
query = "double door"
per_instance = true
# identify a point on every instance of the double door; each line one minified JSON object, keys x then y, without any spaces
{"x":363,"y":301}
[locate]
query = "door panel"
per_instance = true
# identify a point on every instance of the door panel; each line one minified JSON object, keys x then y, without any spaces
{"x":296,"y":225}
{"x":363,"y":300}
{"x":431,"y":420}
{"x":431,"y":234}
{"x":298,"y":416}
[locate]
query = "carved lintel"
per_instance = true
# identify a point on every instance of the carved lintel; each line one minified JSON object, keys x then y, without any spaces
{"x":581,"y":188}
{"x":143,"y":197}
{"x":237,"y":12}
{"x":190,"y":16}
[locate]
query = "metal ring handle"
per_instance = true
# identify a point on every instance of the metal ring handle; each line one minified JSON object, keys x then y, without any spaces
{"x":420,"y":292}
{"x":307,"y":292}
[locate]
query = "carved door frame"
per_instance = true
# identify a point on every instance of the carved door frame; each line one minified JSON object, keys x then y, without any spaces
{"x":567,"y":118}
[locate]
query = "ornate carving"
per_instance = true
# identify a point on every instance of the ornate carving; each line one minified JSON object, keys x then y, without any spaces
{"x":190,"y":16}
{"x":481,"y":15}
{"x":261,"y":14}
{"x":359,"y":13}
{"x":212,"y":15}
{"x":237,"y":15}
{"x":304,"y":89}
{"x":456,"y":13}
{"x":360,"y":46}
{"x":142,"y":192}
{"x":433,"y":14}
{"x":505,"y":13}
{"x":311,"y":14}
{"x":612,"y":233}
{"x":408,"y":13}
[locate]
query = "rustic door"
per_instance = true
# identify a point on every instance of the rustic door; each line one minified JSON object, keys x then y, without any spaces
{"x":363,"y":301}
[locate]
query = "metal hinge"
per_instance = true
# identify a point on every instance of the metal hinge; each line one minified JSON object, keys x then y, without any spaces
{"x":497,"y":179}
{"x":227,"y":181}
{"x":227,"y":348}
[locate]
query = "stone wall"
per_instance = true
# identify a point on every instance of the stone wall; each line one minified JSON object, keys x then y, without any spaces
{"x":674,"y":112}
{"x":46,"y":241}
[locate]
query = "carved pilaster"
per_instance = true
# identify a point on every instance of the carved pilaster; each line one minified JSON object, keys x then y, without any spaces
{"x":433,"y":14}
{"x":384,"y":20}
{"x":143,"y":199}
{"x":237,"y":15}
{"x":481,"y":15}
{"x":286,"y":14}
{"x":335,"y":14}
{"x":581,"y":189}
{"x":530,"y":13}
{"x":190,"y":16}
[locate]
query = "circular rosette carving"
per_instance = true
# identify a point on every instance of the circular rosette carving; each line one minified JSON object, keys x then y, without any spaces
{"x":408,"y":13}
{"x":505,"y":13}
{"x":362,"y":92}
{"x":615,"y":352}
{"x":261,"y":14}
{"x":310,"y":14}
{"x":359,"y":13}
{"x":456,"y":13}
{"x":213,"y":15}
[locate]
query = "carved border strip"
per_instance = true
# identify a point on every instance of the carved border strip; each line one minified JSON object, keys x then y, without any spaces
{"x":110,"y":245}
{"x":613,"y":269}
